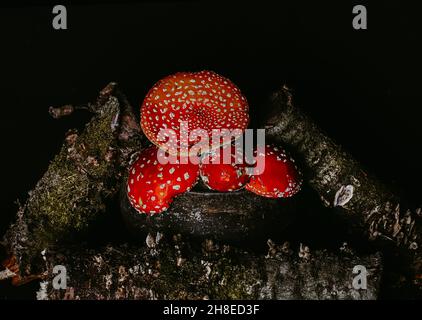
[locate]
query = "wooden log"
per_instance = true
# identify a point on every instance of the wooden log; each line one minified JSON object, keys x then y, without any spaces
{"x":177,"y":269}
{"x":239,"y":217}
{"x":342,"y":183}
{"x":72,"y":192}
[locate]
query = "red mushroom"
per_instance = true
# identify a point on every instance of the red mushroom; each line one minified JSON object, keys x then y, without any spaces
{"x":151,"y":186}
{"x":280,"y":177}
{"x":221,"y":175}
{"x":205,"y":100}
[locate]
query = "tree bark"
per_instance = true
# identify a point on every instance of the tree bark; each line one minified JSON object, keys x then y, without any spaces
{"x":175,"y":269}
{"x":341,"y":183}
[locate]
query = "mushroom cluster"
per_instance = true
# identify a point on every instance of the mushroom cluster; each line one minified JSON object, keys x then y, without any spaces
{"x":201,"y":102}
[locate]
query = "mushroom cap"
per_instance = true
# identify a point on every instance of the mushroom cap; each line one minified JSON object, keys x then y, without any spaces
{"x":280,"y":178}
{"x":204,"y":99}
{"x":221,"y":176}
{"x":151,"y":186}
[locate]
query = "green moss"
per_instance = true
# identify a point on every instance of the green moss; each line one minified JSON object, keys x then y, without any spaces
{"x":72,"y":191}
{"x":235,"y":280}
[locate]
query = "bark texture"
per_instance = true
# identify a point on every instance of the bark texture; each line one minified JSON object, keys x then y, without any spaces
{"x":176,"y":270}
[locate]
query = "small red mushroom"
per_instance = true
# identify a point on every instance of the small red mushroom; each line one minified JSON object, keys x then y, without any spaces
{"x":220,"y":175}
{"x":151,"y":186}
{"x":280,"y":177}
{"x":205,"y":100}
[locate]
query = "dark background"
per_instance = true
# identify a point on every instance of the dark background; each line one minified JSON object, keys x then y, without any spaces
{"x":362,"y":86}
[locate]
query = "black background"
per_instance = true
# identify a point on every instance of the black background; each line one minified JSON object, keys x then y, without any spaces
{"x":361,"y":86}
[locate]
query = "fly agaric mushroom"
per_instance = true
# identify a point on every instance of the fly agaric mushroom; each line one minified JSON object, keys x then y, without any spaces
{"x":202,"y":100}
{"x":280,"y":177}
{"x":151,"y":186}
{"x":220,"y":175}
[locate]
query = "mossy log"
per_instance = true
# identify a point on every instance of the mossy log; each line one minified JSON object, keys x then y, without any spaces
{"x":79,"y":180}
{"x":175,"y":269}
{"x":341,"y":182}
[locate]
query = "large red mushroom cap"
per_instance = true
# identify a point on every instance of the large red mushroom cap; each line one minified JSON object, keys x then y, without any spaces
{"x":280,"y":178}
{"x":151,"y":186}
{"x":204,"y":99}
{"x":223,"y":175}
